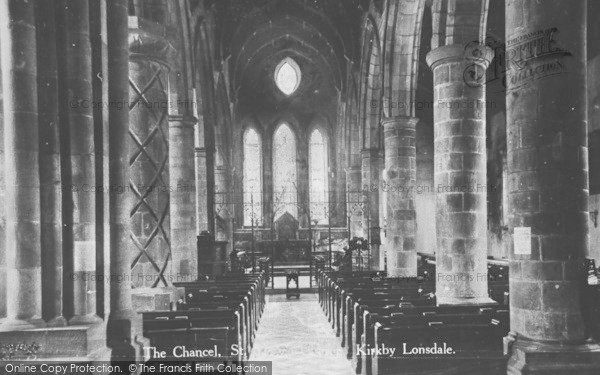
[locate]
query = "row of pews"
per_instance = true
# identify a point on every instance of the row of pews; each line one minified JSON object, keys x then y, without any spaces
{"x":216,"y":320}
{"x":373,"y":315}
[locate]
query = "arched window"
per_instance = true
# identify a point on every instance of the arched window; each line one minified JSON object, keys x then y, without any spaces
{"x":318,"y":174}
{"x":285,"y":192}
{"x":287,"y":76}
{"x":252,"y":177}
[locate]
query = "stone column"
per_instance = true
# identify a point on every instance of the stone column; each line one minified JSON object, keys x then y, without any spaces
{"x":183,"y":197}
{"x":223,"y":215}
{"x":124,"y":325}
{"x":354,"y":210}
{"x":19,"y":86}
{"x":149,"y":129}
{"x":3,"y":282}
{"x":201,"y":190}
{"x":303,"y":191}
{"x":50,"y":167}
{"x":223,"y":208}
{"x":371,"y":185}
{"x":339,"y":192}
{"x":382,"y":215}
{"x":548,"y":186}
{"x":401,"y":171}
{"x":80,"y":200}
{"x":268,"y":196}
{"x":460,"y":173}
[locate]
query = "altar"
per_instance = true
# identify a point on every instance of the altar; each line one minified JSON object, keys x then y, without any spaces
{"x":286,"y":252}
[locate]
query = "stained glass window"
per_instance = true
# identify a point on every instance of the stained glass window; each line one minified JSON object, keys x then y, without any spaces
{"x":318,"y":165}
{"x":252,"y":178}
{"x":284,"y":172}
{"x":287,"y":76}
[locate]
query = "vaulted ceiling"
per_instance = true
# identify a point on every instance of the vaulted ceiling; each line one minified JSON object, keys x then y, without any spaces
{"x":320,"y":35}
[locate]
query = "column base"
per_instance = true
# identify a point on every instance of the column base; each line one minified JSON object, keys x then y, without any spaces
{"x":155,"y":299}
{"x":89,"y":319}
{"x":456,"y":301}
{"x":125,"y":337}
{"x":73,"y":343}
{"x":9,"y":325}
{"x":375,"y":256}
{"x":59,"y":321}
{"x":404,"y":273}
{"x":382,"y":257}
{"x":536,"y":358}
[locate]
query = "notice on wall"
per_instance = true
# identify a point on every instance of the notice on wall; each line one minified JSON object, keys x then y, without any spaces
{"x":522,"y":240}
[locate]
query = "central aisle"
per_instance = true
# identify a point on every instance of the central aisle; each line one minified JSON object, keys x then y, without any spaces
{"x":296,"y":336}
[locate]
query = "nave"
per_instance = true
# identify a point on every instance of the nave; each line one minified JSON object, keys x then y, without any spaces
{"x":163,"y":161}
{"x":296,"y":336}
{"x":354,"y":312}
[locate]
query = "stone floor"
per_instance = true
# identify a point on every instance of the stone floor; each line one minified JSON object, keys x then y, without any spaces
{"x":296,"y":336}
{"x":303,"y":282}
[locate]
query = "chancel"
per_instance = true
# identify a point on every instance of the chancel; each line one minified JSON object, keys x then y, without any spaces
{"x":422,"y":175}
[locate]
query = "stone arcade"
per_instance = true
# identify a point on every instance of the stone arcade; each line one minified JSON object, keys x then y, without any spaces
{"x":152,"y":150}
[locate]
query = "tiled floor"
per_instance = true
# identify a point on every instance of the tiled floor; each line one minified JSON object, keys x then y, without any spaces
{"x":296,"y":336}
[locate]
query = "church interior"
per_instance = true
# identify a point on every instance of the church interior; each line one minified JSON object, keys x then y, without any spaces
{"x":326,"y":186}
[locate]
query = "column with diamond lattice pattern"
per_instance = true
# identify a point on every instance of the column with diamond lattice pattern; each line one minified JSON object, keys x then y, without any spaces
{"x":149,"y":163}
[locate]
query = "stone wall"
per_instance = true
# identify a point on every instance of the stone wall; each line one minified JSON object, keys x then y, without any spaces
{"x":594,"y":127}
{"x":2,"y":215}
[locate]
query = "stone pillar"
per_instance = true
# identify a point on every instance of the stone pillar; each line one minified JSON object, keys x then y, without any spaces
{"x":201,"y":190}
{"x":268,"y":196}
{"x":50,"y":167}
{"x":19,"y":86}
{"x":382,"y":215}
{"x":183,"y":198}
{"x":303,"y":191}
{"x":354,"y":210}
{"x":401,"y":173}
{"x":80,"y":200}
{"x":149,"y":129}
{"x":339,"y":193}
{"x":371,"y":186}
{"x":3,"y":281}
{"x":548,"y":187}
{"x":124,"y":325}
{"x":460,"y":173}
{"x":223,"y":206}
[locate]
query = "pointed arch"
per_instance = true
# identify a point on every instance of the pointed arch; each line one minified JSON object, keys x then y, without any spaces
{"x":223,"y":124}
{"x":402,"y":39}
{"x":371,"y":85}
{"x":353,"y":139}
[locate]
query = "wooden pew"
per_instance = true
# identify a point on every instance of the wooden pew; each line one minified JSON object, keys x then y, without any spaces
{"x":393,"y":296}
{"x":250,"y":310}
{"x":350,"y":315}
{"x":366,"y":333}
{"x":476,"y":349}
{"x":196,"y":330}
{"x":389,"y":296}
{"x":355,"y":303}
{"x":250,"y":289}
{"x":222,"y":312}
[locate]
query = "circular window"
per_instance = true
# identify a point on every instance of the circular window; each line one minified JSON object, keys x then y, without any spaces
{"x":287,"y":76}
